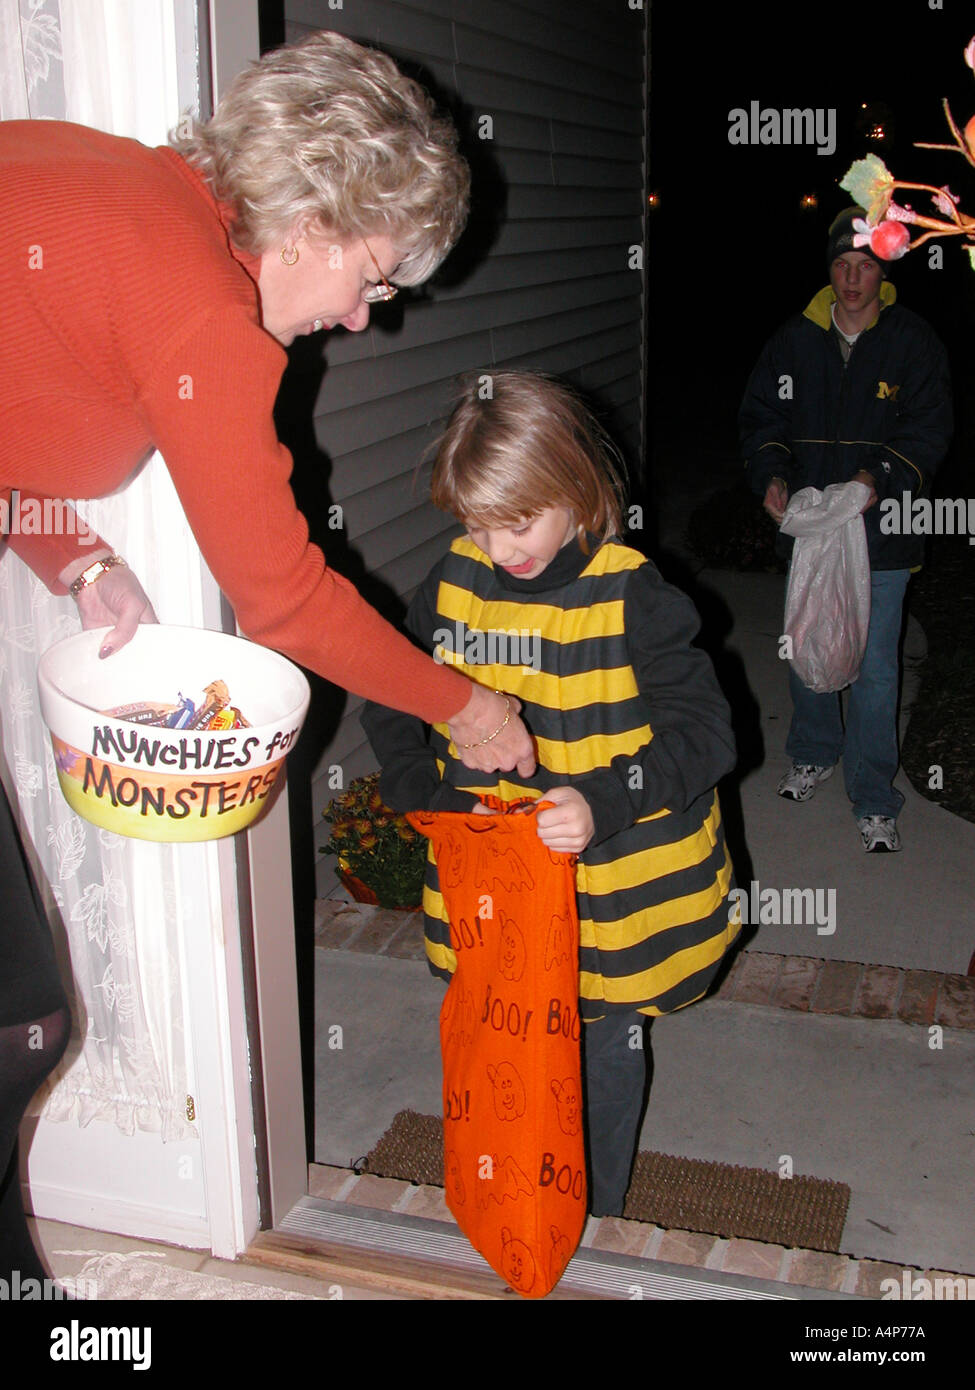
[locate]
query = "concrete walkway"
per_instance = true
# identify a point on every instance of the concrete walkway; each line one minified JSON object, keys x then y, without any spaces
{"x":867,"y":1102}
{"x":913,"y":909}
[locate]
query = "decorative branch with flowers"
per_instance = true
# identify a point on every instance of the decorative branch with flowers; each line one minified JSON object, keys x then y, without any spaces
{"x":377,"y":849}
{"x":872,"y":186}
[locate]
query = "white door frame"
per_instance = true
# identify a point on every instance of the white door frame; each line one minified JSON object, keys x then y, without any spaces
{"x":271,"y":1036}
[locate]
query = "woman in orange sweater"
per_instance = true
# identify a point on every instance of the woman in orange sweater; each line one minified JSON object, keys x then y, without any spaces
{"x":147,"y":296}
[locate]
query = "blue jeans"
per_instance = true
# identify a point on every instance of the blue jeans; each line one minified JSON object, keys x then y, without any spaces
{"x":869,"y":746}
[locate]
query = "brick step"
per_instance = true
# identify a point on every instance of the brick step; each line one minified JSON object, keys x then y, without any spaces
{"x":803,"y":984}
{"x":811,"y":1269}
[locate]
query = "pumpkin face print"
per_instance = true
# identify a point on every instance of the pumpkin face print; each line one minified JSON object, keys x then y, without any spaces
{"x":517,"y":1262}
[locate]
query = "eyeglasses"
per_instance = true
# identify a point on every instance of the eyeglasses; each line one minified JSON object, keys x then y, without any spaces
{"x":384,"y":291}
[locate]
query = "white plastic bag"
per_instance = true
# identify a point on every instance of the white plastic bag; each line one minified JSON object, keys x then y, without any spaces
{"x":827,"y":604}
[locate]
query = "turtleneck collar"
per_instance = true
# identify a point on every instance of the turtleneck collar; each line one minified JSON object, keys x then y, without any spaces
{"x":223,"y":211}
{"x":567,"y":565}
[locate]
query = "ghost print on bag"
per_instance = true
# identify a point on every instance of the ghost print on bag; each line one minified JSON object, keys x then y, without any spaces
{"x":568,"y":1105}
{"x":511,"y":950}
{"x":509,"y":1091}
{"x":500,"y":1181}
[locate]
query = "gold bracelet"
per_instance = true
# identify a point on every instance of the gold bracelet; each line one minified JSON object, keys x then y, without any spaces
{"x":507,"y":716}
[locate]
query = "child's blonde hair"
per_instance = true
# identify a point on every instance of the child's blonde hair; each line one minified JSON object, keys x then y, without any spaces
{"x":519,"y":442}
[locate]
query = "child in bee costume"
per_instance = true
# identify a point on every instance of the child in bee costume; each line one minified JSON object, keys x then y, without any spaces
{"x":541,"y":600}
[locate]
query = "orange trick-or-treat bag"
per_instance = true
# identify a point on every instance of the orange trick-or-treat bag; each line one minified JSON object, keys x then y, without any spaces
{"x":514,"y":1162}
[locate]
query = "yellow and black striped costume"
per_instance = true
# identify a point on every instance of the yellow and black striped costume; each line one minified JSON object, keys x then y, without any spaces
{"x":652,"y":898}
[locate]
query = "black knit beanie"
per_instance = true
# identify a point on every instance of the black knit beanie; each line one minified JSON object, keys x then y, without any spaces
{"x":841,"y":236}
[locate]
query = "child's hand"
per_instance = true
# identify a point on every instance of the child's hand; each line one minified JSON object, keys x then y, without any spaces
{"x":568,"y":826}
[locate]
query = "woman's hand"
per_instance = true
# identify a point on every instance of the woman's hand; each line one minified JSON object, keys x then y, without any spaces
{"x":115,"y":599}
{"x":568,"y":826}
{"x":499,"y":746}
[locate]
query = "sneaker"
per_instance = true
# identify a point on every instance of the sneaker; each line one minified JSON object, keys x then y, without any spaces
{"x":879,"y":834}
{"x":800,"y":781}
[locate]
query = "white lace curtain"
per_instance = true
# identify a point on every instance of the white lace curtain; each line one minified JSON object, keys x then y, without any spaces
{"x":109,"y":64}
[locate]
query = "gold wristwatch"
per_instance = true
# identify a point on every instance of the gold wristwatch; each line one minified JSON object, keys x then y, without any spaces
{"x":94,"y":571}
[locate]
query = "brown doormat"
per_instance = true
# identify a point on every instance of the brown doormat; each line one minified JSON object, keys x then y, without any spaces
{"x":411,"y":1149}
{"x":684,"y":1194}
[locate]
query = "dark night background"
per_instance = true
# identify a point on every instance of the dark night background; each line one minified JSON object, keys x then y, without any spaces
{"x":731,"y":254}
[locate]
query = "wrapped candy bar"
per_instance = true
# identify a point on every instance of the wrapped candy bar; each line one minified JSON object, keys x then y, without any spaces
{"x":214,"y":713}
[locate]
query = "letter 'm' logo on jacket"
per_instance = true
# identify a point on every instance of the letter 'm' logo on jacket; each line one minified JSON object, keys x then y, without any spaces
{"x":885,"y":392}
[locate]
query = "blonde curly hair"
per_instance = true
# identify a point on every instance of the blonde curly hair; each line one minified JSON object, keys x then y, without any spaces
{"x":331,"y":137}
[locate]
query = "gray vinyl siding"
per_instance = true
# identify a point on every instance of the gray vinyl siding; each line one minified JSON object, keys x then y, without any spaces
{"x":564,"y":82}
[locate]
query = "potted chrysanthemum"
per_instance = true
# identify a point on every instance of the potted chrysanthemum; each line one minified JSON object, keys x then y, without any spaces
{"x":381,"y":857}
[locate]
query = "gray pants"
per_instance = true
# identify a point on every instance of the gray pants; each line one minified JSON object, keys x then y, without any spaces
{"x":615,"y":1068}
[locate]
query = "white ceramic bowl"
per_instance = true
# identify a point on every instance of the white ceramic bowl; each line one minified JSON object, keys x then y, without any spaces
{"x":168,"y":784}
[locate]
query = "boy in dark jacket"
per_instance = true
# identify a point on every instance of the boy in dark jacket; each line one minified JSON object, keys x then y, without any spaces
{"x":856,"y":387}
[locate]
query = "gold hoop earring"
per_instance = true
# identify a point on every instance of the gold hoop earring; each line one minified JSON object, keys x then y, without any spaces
{"x":294,"y":256}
